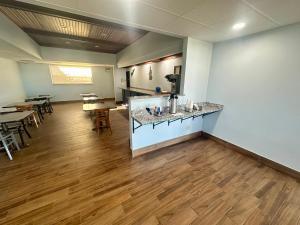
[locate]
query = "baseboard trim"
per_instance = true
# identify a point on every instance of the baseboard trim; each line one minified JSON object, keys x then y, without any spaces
{"x":75,"y":101}
{"x":109,"y":99}
{"x":274,"y":165}
{"x":155,"y":147}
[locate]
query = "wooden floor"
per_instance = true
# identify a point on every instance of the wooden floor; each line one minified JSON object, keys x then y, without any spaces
{"x":69,"y":175}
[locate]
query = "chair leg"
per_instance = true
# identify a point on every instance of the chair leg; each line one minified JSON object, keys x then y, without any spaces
{"x":98,"y":128}
{"x":108,"y":125}
{"x":21,"y":136}
{"x":7,"y":150}
{"x":15,"y":142}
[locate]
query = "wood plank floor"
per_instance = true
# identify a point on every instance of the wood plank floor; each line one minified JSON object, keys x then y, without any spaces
{"x":69,"y":175}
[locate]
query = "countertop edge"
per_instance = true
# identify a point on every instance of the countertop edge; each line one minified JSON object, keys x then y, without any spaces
{"x":194,"y":113}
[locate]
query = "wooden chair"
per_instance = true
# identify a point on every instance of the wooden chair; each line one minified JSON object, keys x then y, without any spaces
{"x":102,"y":119}
{"x":34,"y":118}
{"x":7,"y":140}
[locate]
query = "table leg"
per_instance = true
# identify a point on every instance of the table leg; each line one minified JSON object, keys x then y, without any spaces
{"x":21,"y":137}
{"x":47,"y":107}
{"x":50,"y":106}
{"x":25,"y":129}
{"x":40,"y":112}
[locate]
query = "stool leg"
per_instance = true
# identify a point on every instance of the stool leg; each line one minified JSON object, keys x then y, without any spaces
{"x":108,"y":125}
{"x":21,"y":136}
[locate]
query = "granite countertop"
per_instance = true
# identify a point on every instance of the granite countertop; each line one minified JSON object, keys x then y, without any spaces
{"x":143,"y":117}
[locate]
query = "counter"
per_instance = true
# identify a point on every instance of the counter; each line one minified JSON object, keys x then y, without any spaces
{"x":143,"y":117}
{"x":149,"y":133}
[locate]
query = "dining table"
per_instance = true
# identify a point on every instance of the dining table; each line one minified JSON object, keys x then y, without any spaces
{"x":88,"y":95}
{"x":8,"y":110}
{"x":48,"y":98}
{"x":40,"y":104}
{"x":15,"y":117}
{"x":39,"y":97}
{"x":91,"y":99}
{"x":90,"y":107}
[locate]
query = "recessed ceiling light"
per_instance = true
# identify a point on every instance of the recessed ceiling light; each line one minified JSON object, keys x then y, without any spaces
{"x":238,"y":26}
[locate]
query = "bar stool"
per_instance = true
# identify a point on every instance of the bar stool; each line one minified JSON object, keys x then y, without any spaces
{"x":102,"y":119}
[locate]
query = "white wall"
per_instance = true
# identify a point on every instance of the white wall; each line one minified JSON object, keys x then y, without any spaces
{"x":140,"y":78}
{"x":149,"y":47}
{"x":11,"y":89}
{"x":15,"y":43}
{"x":120,"y":82}
{"x":146,"y":135}
{"x":197,"y":59}
{"x":37,"y":80}
{"x":257,"y":78}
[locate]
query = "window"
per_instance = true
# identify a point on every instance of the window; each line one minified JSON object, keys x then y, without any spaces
{"x":71,"y":74}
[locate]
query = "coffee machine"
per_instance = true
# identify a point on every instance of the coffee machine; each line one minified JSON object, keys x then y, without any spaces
{"x":173,"y":79}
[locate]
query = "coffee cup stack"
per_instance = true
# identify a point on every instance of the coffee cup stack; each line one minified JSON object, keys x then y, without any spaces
{"x":189,"y":106}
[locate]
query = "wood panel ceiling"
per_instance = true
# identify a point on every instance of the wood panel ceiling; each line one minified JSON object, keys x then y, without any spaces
{"x":55,"y":28}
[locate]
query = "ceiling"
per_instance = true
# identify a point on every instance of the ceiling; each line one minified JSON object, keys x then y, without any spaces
{"x":209,"y":20}
{"x":60,"y":29}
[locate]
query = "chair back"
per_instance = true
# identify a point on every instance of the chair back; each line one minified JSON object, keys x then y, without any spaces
{"x":102,"y":119}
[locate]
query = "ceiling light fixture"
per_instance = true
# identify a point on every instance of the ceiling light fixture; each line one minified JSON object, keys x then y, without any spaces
{"x":238,"y":26}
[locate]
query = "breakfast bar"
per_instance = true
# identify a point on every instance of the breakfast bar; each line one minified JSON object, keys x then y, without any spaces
{"x":166,"y":128}
{"x":143,"y":117}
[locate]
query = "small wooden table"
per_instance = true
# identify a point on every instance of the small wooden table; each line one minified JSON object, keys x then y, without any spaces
{"x":16,"y":117}
{"x":92,"y":107}
{"x":89,"y":107}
